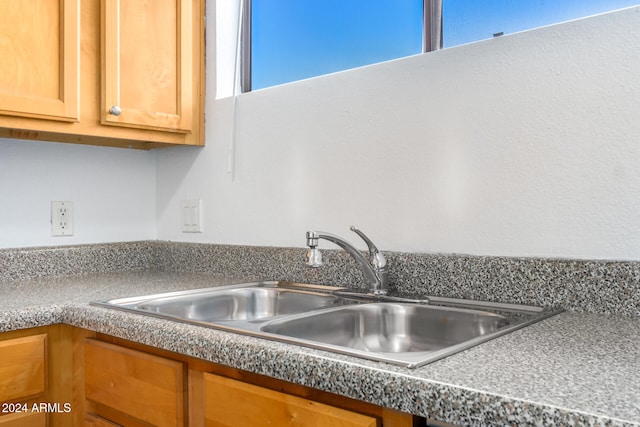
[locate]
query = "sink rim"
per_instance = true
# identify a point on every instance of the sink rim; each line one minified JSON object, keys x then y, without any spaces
{"x":412,"y":359}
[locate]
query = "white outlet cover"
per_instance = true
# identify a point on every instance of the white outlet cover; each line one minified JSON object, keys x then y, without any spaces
{"x":61,"y":218}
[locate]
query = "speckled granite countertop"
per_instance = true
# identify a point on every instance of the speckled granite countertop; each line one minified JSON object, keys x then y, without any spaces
{"x":571,"y":369}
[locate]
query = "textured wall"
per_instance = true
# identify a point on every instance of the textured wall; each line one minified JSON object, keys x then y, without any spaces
{"x":523,"y":145}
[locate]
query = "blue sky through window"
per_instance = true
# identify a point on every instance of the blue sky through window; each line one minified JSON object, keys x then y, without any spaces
{"x":467,"y":21}
{"x":298,"y":39}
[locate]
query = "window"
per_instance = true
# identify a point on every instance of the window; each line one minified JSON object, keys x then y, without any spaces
{"x":289,"y":40}
{"x":296,"y":39}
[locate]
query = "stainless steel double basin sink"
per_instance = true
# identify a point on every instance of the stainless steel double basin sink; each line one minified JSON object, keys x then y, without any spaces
{"x":394,"y":330}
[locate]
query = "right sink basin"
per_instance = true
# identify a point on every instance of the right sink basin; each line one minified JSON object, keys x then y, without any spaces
{"x":408,"y":334}
{"x":390,"y":327}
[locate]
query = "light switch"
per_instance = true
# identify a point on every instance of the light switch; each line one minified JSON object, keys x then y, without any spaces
{"x":192,"y":216}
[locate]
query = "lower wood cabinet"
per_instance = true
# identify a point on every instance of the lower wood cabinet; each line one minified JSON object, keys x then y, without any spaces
{"x":23,"y":368}
{"x":122,"y":377}
{"x":231,"y":403}
{"x":61,"y":376}
{"x":128,"y":386}
{"x":26,"y":419}
{"x":36,"y":377}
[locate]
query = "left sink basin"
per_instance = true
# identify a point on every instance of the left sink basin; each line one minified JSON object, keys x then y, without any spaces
{"x":243,"y":302}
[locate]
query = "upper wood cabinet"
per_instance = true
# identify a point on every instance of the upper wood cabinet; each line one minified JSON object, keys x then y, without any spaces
{"x":67,"y":63}
{"x":40,"y":51}
{"x":147,"y":64}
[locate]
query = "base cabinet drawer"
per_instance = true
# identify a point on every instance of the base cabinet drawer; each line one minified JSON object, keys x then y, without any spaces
{"x":23,"y":367}
{"x":123,"y":384}
{"x":232,"y":403}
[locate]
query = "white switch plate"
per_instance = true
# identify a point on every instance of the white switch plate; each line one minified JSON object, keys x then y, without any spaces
{"x":192,"y":216}
{"x":61,"y":218}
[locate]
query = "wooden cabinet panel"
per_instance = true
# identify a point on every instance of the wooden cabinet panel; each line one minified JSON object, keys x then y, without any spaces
{"x":65,"y":63}
{"x":37,"y":375}
{"x":22,"y":367}
{"x":231,"y":403}
{"x":147,"y":64}
{"x":95,"y":421}
{"x":24,"y":419}
{"x":149,"y":388}
{"x":40,"y":51}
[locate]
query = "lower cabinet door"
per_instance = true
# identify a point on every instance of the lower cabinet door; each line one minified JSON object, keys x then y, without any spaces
{"x":232,"y":403}
{"x":146,"y":387}
{"x":22,"y":367}
{"x":25,"y":419}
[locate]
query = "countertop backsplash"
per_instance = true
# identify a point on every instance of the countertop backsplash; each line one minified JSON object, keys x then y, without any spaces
{"x":594,"y":286}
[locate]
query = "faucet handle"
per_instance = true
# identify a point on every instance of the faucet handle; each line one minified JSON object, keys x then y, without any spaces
{"x":376,"y":258}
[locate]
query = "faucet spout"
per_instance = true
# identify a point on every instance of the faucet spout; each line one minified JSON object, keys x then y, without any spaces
{"x":373,"y":268}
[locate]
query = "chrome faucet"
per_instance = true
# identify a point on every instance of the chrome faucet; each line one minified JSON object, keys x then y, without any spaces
{"x":374,"y":268}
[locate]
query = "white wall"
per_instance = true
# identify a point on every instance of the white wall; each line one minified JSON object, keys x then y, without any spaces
{"x":528,"y":144}
{"x":112,"y":190}
{"x":523,"y":145}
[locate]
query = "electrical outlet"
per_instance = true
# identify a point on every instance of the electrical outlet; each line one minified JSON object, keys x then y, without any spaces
{"x":192,"y":216}
{"x":61,"y":218}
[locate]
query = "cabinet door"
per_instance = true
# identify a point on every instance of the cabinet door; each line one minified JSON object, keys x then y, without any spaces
{"x":24,"y":419}
{"x":22,"y":367}
{"x":147,"y":387}
{"x":147,"y":64}
{"x":231,"y":403}
{"x":39,"y":47}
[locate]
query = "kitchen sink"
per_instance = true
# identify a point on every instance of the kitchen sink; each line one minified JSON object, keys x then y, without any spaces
{"x":389,"y":329}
